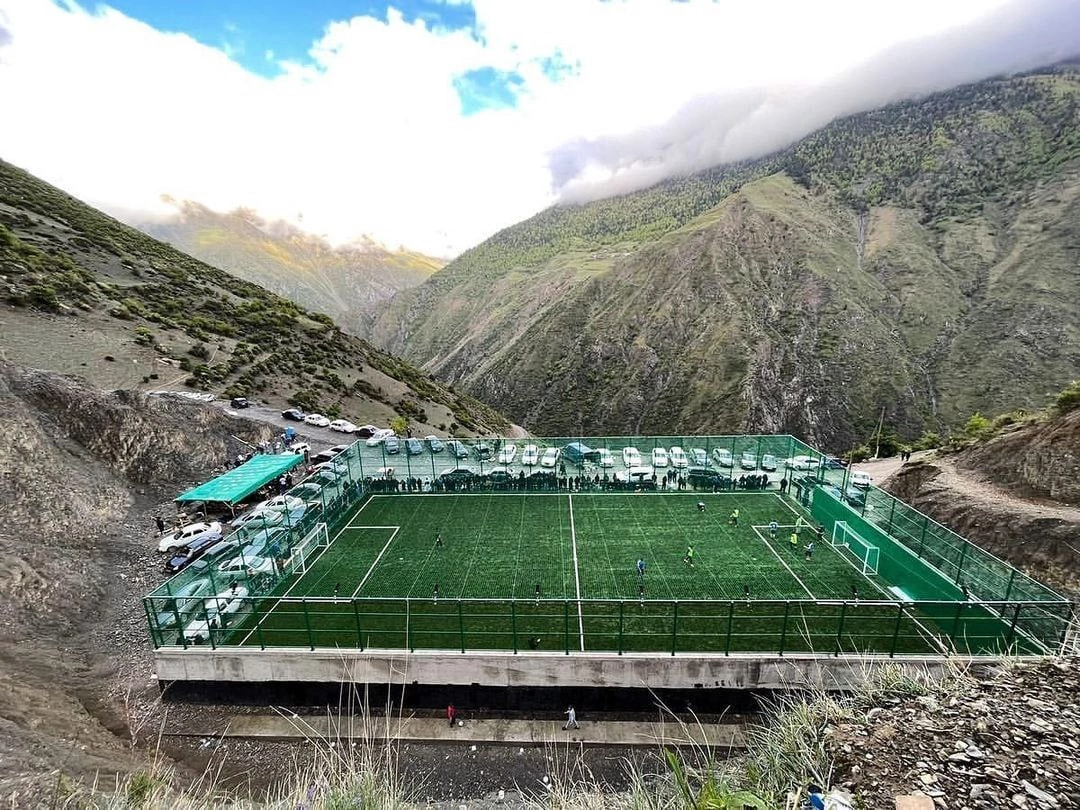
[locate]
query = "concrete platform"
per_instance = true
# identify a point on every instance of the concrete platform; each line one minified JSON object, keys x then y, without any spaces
{"x":435,"y":730}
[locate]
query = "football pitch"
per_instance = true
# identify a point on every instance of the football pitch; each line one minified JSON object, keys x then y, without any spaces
{"x":558,"y":572}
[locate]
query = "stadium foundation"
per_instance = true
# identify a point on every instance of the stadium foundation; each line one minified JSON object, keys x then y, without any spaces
{"x":604,"y":670}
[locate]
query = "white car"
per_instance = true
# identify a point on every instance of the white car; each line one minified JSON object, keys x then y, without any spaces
{"x":678,"y":458}
{"x":635,"y":475}
{"x":186,"y":599}
{"x":300,"y":448}
{"x":631,"y":457}
{"x":748,"y":461}
{"x":281,"y":503}
{"x":342,"y":426}
{"x":860,"y":479}
{"x":434,"y":444}
{"x":799,"y":463}
{"x":604,"y":458}
{"x":507,"y":454}
{"x":241,"y":565}
{"x":218,"y":608}
{"x":188,"y":534}
{"x":316,"y":419}
{"x":457,"y":449}
{"x":379,"y":437}
{"x":768,"y":463}
{"x":258,"y":517}
{"x":659,"y":457}
{"x":722,"y":457}
{"x":698,"y":457}
{"x":550,"y":457}
{"x":530,"y":454}
{"x":228,"y":601}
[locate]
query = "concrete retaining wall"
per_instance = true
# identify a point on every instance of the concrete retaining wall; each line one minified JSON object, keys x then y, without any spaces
{"x":654,"y":671}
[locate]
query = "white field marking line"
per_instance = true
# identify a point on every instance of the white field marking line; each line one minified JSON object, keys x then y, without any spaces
{"x":763,"y":539}
{"x":371,"y":570}
{"x":355,"y":526}
{"x":577,"y":576}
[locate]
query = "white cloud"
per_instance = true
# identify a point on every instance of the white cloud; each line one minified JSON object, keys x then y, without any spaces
{"x":368,"y":136}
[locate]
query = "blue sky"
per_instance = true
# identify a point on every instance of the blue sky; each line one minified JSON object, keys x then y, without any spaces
{"x":433,"y":123}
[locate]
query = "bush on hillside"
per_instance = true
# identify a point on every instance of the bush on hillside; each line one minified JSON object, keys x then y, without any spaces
{"x":1069,"y":399}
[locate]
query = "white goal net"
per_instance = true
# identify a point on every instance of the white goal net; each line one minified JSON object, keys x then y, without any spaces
{"x":867,"y":554}
{"x":309,"y":549}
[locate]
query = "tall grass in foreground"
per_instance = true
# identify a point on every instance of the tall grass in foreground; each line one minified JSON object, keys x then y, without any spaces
{"x":351,"y":768}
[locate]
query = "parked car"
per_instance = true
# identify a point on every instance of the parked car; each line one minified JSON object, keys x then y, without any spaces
{"x":855,"y":496}
{"x":300,"y":448}
{"x":378,"y":437}
{"x":748,"y":461}
{"x":457,"y":449}
{"x":706,"y":478}
{"x":281,"y":503}
{"x":507,"y":453}
{"x":631,"y":457}
{"x":188,"y":534}
{"x":392,"y":445}
{"x":678,"y":458}
{"x":413,"y":447}
{"x":434,"y":443}
{"x":550,"y":457}
{"x":636,"y":477}
{"x":227,"y":601}
{"x":185,"y":600}
{"x":499,"y":476}
{"x":316,"y":420}
{"x":722,"y":457}
{"x":342,"y":426}
{"x":217,"y":610}
{"x":239,"y":402}
{"x":833,"y":463}
{"x":483,"y":451}
{"x":258,"y":517}
{"x":243,"y":564}
{"x":859,"y":478}
{"x":604,"y":458}
{"x":576,"y":452}
{"x":189,"y":553}
{"x":800,"y":463}
{"x":769,"y":463}
{"x":293,"y":415}
{"x":457,"y":475}
{"x":659,"y":457}
{"x":530,"y":454}
{"x":698,"y":457}
{"x":365,"y":431}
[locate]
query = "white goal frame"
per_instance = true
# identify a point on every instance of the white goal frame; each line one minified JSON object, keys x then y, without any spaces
{"x":310,"y":549}
{"x":867,"y":554}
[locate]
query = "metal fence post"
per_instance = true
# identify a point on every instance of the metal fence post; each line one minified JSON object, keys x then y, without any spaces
{"x":896,"y":628}
{"x":956,"y":622}
{"x":307,"y":624}
{"x":960,"y":565}
{"x":155,"y":631}
{"x":783,"y":630}
{"x":461,"y":626}
{"x":674,"y":624}
{"x":1008,"y":588}
{"x":1012,"y":627}
{"x":566,"y":625}
{"x":622,"y":606}
{"x":356,"y":616}
{"x":258,"y":627}
{"x":922,"y":539}
{"x":513,"y":624}
{"x":840,"y":629}
{"x":892,"y":512}
{"x":730,"y":617}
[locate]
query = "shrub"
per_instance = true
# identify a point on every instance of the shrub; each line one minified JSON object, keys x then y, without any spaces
{"x":1069,"y":399}
{"x":928,"y":441}
{"x":978,"y":427}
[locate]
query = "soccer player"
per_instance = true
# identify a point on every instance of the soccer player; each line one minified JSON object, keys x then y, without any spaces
{"x":640,"y":567}
{"x":809,"y":551}
{"x":688,"y":558}
{"x":746,"y":592}
{"x":438,"y":541}
{"x":538,"y":593}
{"x":701,"y":506}
{"x":641,"y":593}
{"x":435,"y":593}
{"x":733,"y":518}
{"x":773,"y":527}
{"x":800,"y":524}
{"x":793,"y":538}
{"x":855,"y":592}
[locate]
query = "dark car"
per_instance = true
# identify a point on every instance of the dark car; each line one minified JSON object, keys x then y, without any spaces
{"x":833,"y":463}
{"x":191,"y":552}
{"x":293,"y":415}
{"x":458,"y":477}
{"x":483,"y":451}
{"x":855,"y":497}
{"x":413,"y":447}
{"x":704,"y":478}
{"x":239,"y":402}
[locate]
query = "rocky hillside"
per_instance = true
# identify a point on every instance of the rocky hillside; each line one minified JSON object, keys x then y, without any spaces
{"x":1015,"y":495}
{"x":84,"y":470}
{"x":347,"y":283}
{"x":90,"y":296}
{"x":921,"y":258}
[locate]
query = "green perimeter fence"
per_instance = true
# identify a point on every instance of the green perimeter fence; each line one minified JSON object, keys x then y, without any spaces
{"x":955,"y":595}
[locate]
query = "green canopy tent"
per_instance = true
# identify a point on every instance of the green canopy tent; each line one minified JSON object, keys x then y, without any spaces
{"x":235,"y":485}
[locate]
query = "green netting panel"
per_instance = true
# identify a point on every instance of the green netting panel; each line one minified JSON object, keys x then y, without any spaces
{"x":235,"y":485}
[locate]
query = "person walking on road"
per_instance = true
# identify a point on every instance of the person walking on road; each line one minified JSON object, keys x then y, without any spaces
{"x":571,"y":718}
{"x":451,"y":714}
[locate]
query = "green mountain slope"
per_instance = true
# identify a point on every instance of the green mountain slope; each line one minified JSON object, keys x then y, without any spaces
{"x":91,"y":296}
{"x":919,"y":258}
{"x":346,"y":283}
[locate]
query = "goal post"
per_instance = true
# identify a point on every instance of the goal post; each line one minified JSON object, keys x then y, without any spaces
{"x":867,"y":554}
{"x":309,"y":549}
